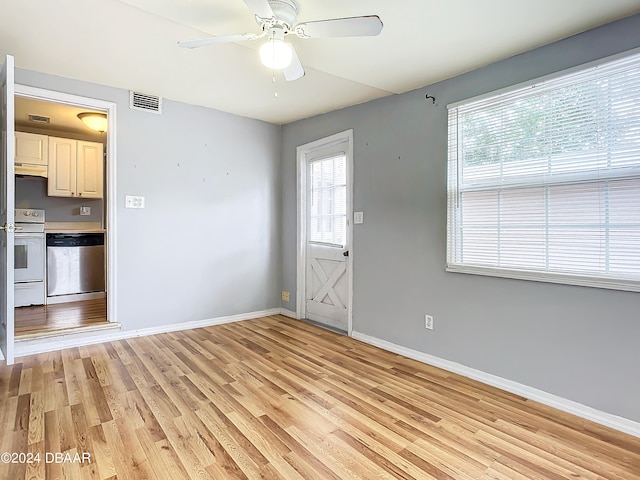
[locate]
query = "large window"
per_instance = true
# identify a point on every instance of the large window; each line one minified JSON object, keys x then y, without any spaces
{"x":544,"y":180}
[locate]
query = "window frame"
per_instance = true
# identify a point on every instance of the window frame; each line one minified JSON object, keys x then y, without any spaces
{"x":454,"y":180}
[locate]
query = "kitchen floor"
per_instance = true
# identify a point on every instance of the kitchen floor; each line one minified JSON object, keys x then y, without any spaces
{"x":48,"y":319}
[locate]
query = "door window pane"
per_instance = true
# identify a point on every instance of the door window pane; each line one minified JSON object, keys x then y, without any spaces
{"x":327,"y":200}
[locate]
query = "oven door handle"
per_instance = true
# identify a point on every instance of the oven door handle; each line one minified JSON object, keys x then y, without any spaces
{"x":29,"y":235}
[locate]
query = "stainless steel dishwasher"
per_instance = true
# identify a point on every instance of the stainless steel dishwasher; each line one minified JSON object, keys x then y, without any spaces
{"x":75,"y":263}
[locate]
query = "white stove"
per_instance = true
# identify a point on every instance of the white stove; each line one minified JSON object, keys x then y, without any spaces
{"x":29,"y":257}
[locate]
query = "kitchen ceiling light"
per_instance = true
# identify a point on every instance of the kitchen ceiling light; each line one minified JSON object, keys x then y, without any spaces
{"x":95,"y":121}
{"x":275,"y":53}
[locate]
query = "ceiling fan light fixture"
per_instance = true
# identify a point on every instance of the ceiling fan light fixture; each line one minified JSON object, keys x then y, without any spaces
{"x":95,"y":121}
{"x":276,"y":54}
{"x":278,"y":19}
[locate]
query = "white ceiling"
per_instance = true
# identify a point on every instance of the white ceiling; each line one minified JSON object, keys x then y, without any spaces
{"x":131,"y":44}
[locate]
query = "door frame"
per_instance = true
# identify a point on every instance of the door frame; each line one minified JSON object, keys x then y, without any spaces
{"x":7,"y":352}
{"x":111,"y":201}
{"x":302,"y":153}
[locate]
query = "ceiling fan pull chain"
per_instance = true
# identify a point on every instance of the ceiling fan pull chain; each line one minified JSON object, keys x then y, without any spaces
{"x":275,"y":85}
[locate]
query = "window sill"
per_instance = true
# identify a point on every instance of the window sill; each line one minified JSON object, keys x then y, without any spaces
{"x":583,"y":281}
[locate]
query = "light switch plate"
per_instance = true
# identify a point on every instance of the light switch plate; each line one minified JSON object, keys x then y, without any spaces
{"x":132,"y":201}
{"x":358,"y":217}
{"x":85,"y":210}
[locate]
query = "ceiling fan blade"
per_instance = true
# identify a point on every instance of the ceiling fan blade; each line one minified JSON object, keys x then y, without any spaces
{"x":295,"y":70}
{"x":260,"y":8}
{"x":367,"y":26}
{"x":201,"y":42}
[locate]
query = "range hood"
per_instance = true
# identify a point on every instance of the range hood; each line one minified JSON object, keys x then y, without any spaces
{"x":29,"y":169}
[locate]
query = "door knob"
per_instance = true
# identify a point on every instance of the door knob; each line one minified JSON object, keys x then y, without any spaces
{"x":345,"y":253}
{"x":10,"y":227}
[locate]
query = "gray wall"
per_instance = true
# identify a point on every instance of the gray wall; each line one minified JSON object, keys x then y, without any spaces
{"x":576,"y":342}
{"x":31,"y":192}
{"x":207,"y":243}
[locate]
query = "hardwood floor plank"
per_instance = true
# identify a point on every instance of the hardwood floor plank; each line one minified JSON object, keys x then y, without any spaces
{"x":36,"y":469}
{"x":14,"y":381}
{"x":335,"y":454}
{"x":380,"y":456}
{"x":554,"y":449}
{"x":75,"y":374}
{"x":21,"y":422}
{"x":101,"y":454}
{"x":131,"y":463}
{"x":209,"y":450}
{"x":430,"y":470}
{"x":274,"y":398}
{"x":154,"y":453}
{"x":80,"y":429}
{"x":189,"y":459}
{"x":36,"y":419}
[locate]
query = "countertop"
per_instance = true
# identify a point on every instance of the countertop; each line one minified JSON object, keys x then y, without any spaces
{"x":73,"y":227}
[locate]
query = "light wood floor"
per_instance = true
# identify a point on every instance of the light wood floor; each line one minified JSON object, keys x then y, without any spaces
{"x":275,"y":398}
{"x":42,"y":319}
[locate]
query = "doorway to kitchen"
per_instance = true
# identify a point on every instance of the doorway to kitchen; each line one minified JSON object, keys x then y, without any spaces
{"x":64,"y":190}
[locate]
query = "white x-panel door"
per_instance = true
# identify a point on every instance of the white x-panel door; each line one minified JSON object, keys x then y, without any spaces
{"x":327,"y":245}
{"x":327,"y":286}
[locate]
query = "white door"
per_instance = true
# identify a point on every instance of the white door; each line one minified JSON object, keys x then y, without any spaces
{"x":7,"y":205}
{"x":327,"y":298}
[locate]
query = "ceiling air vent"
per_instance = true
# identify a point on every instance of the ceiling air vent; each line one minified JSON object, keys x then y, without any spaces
{"x":39,"y":119}
{"x":144,"y":102}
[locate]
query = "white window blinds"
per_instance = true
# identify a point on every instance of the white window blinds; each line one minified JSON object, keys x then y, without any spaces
{"x":327,"y":202}
{"x":544,"y":181}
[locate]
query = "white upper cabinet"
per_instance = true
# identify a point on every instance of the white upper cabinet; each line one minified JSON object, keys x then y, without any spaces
{"x":31,"y":154}
{"x":90,"y":170}
{"x":75,"y":168}
{"x":62,"y":167}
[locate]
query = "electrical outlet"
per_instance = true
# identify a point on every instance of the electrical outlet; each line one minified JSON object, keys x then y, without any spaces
{"x":358,"y":217}
{"x":131,"y":201}
{"x":428,"y":322}
{"x":85,"y":210}
{"x":285,"y":296}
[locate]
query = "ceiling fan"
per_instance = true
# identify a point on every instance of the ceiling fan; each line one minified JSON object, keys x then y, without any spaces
{"x":277,"y":19}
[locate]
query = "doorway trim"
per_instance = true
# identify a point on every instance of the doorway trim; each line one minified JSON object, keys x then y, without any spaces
{"x":110,"y":109}
{"x":302,"y":152}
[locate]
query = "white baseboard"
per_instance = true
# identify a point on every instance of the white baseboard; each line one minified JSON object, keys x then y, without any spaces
{"x":618,"y":423}
{"x":32,"y":347}
{"x":288,"y":313}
